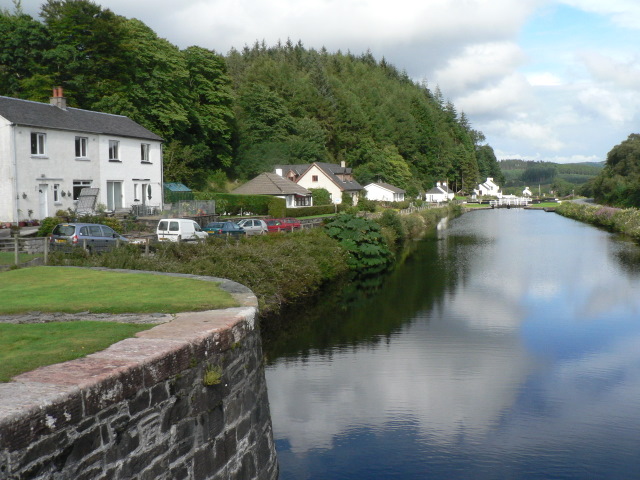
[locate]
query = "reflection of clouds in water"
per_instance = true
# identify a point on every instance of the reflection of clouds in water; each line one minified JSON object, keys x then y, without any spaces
{"x":450,"y":379}
{"x":607,"y":298}
{"x":591,"y":397}
{"x":459,"y":369}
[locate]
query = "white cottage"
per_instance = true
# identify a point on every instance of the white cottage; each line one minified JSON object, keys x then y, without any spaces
{"x":336,"y":179}
{"x":488,"y":188}
{"x":384,"y":192}
{"x":50,"y":152}
{"x":526,"y":192}
{"x":440,"y":193}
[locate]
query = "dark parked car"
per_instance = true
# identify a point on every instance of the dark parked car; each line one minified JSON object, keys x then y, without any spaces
{"x":223,"y":229}
{"x":94,"y":237}
{"x":283,"y":224}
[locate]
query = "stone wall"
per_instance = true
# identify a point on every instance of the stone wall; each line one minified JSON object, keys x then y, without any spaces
{"x":185,"y":399}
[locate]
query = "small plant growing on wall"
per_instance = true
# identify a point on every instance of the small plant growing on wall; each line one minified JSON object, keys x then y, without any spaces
{"x":212,"y":375}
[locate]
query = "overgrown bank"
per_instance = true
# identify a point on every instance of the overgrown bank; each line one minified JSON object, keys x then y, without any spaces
{"x":283,"y":268}
{"x":619,"y":220}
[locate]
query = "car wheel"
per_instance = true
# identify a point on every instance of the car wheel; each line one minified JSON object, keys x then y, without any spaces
{"x":179,"y":238}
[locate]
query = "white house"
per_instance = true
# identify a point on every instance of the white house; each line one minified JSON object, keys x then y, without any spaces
{"x":440,"y":193}
{"x":336,"y":179}
{"x":277,"y":186}
{"x":50,"y":152}
{"x":384,"y":192}
{"x":488,"y":188}
{"x":526,"y":192}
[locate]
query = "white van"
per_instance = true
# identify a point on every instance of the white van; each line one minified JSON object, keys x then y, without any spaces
{"x":179,"y":230}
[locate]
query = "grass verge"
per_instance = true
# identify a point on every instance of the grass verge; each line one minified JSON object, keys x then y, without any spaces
{"x":72,"y":290}
{"x":8,"y":258}
{"x":25,"y":347}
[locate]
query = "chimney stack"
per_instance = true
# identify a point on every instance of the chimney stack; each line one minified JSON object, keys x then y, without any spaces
{"x":58,"y":99}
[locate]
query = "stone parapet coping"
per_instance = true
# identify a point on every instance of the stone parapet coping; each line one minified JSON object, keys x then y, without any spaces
{"x":51,"y":396}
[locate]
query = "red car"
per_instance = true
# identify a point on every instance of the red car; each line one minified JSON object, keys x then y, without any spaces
{"x":283,"y":224}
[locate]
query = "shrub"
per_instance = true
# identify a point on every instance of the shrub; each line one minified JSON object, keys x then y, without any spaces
{"x":363,"y":239}
{"x":391,"y":220}
{"x":321,"y":196}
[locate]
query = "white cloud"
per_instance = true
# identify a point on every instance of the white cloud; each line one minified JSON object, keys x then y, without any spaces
{"x":510,"y":94}
{"x":480,"y":64}
{"x":544,"y":79}
{"x":610,"y":105}
{"x":606,"y":69}
{"x":625,"y":13}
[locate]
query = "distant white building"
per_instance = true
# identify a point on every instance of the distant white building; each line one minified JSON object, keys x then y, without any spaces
{"x":440,"y":193}
{"x":526,"y":192}
{"x":488,"y":188}
{"x":49,"y":153}
{"x":384,"y":192}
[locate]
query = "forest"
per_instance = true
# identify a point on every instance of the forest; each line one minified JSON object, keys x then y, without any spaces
{"x":231,"y":116}
{"x":562,"y":178}
{"x":619,"y":182}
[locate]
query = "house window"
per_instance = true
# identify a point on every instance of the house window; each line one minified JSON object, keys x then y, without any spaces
{"x":78,"y":185}
{"x":37,"y":143}
{"x":144,"y":152}
{"x":56,"y":192}
{"x":114,"y":150}
{"x":314,"y":178}
{"x":136,"y":198}
{"x":81,"y":147}
{"x":301,"y":201}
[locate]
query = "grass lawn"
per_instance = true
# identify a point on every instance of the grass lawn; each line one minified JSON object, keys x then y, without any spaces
{"x":72,"y":290}
{"x":24,"y":347}
{"x":28,"y":346}
{"x":8,"y":258}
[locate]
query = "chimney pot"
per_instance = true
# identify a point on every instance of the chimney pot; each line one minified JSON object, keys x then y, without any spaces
{"x":58,"y":99}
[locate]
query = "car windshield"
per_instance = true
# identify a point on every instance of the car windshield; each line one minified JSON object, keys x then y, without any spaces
{"x":215,"y":225}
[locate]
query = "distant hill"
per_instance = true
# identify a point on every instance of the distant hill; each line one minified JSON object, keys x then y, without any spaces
{"x":562,"y":178}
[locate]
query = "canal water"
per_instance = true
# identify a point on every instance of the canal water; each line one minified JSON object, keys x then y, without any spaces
{"x":507,"y":346}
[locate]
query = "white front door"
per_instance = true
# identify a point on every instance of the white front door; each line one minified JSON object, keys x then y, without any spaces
{"x":114,"y":195}
{"x":43,"y":190}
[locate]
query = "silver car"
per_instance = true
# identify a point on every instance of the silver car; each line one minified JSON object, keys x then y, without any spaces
{"x":94,"y":237}
{"x":253,"y":226}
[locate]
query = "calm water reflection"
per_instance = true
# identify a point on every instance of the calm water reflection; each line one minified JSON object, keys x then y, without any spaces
{"x":507,"y":347}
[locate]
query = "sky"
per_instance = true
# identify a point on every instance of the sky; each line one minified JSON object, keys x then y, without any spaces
{"x":548,"y":80}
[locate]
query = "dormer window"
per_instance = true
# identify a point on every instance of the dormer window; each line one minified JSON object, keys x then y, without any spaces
{"x":38,"y":141}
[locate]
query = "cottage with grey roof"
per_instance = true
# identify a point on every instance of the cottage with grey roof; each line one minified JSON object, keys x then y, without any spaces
{"x":277,"y":186}
{"x":384,"y":192}
{"x":50,"y":152}
{"x":336,"y":179}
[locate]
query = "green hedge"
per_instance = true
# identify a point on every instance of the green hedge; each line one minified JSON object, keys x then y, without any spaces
{"x":238,"y":204}
{"x":313,"y":211}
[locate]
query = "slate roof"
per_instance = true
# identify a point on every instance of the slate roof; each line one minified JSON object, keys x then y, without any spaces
{"x":389,"y":187}
{"x":271,"y":184}
{"x":44,"y":115}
